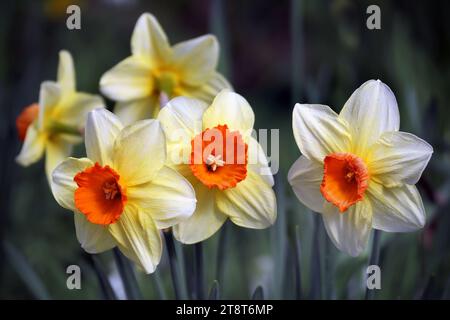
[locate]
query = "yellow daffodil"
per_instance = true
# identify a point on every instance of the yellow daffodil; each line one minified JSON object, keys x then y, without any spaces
{"x":122,"y":194}
{"x":357,"y":169}
{"x":157,"y":72}
{"x":54,"y":125}
{"x":213,"y":148}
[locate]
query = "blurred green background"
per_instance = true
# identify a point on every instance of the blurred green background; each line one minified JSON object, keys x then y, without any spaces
{"x":275,"y":53}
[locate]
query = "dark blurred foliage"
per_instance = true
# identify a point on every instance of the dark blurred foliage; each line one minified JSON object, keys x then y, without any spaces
{"x":275,"y":53}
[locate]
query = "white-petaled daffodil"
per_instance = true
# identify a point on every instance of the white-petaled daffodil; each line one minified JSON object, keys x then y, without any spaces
{"x":357,"y":169}
{"x":123,"y":194}
{"x":54,"y":124}
{"x":157,"y":72}
{"x":213,"y":148}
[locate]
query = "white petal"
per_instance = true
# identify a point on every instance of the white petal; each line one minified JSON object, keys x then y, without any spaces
{"x":62,"y":184}
{"x":138,"y":238}
{"x":49,"y":98}
{"x":196,"y":59}
{"x":66,"y":71}
{"x":305,"y":177}
{"x":57,"y":150}
{"x":128,"y":80}
{"x":209,"y":90}
{"x":33,"y":147}
{"x":349,"y":231}
{"x":140,"y":152}
{"x":257,"y":161}
{"x":371,"y":110}
{"x":250,"y":204}
{"x":318,"y":131}
{"x":102,"y":129}
{"x":169,"y":198}
{"x":149,"y":39}
{"x":134,"y":110}
{"x":73,"y":111}
{"x":399,"y":157}
{"x":397,"y":209}
{"x":94,"y":238}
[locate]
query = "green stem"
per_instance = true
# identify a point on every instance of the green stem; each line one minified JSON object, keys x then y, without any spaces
{"x":374,"y":260}
{"x":199,"y":272}
{"x":221,"y":252}
{"x":173,"y":264}
{"x":128,"y":277}
{"x":105,"y":286}
{"x":298,"y":274}
{"x":159,"y":286}
{"x":316,"y":261}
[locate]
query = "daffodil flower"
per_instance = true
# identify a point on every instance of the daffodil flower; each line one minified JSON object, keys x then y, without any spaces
{"x":357,"y":169}
{"x":122,"y":194}
{"x":54,"y":125}
{"x":213,"y":148}
{"x":157,"y":72}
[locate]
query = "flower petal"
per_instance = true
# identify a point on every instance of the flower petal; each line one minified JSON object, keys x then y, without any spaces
{"x":349,"y":231}
{"x":305,"y":177}
{"x":94,"y":238}
{"x":196,"y":59}
{"x":231,"y":109}
{"x":371,"y":110}
{"x":49,"y":97}
{"x":62,"y":184}
{"x":102,"y":129}
{"x":33,"y":147}
{"x":56,"y":151}
{"x":149,"y":39}
{"x":397,"y":209}
{"x":207,"y":91}
{"x":318,"y":131}
{"x":129,"y":79}
{"x":138,"y":238}
{"x":66,"y":72}
{"x":250,"y":204}
{"x":257,"y":161}
{"x":73,"y":111}
{"x":206,"y":219}
{"x":169,"y":198}
{"x":140,"y":152}
{"x":134,"y":110}
{"x":399,"y":157}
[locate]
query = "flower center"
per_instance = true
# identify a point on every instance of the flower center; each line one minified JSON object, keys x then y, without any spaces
{"x":166,"y":82}
{"x":99,"y":195}
{"x":345,"y":179}
{"x":25,"y":119}
{"x":219,"y":157}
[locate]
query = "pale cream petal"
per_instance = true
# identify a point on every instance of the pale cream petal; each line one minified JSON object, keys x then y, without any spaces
{"x":397,"y":209}
{"x":134,"y":110}
{"x":205,"y":221}
{"x":102,"y":129}
{"x":257,"y":161}
{"x":130,"y":79}
{"x":33,"y":147}
{"x":250,"y":204}
{"x":318,"y":131}
{"x":73,"y":111}
{"x":209,"y":90}
{"x":49,"y":98}
{"x":169,"y":198}
{"x":231,"y":109}
{"x":149,"y":40}
{"x":56,"y":151}
{"x":139,"y":152}
{"x":138,"y":238}
{"x":93,"y":238}
{"x":62,"y":184}
{"x":305,"y":177}
{"x":196,"y":59}
{"x":371,"y":110}
{"x":66,"y":72}
{"x":399,"y":157}
{"x":350,"y":230}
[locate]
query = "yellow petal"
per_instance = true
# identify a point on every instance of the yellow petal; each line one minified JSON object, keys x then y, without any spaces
{"x":231,"y":109}
{"x":208,"y":90}
{"x":128,"y":80}
{"x":134,"y":110}
{"x":305,"y":177}
{"x":73,"y":111}
{"x":371,"y":110}
{"x":169,"y":198}
{"x":397,"y":209}
{"x":399,"y":157}
{"x":349,"y":231}
{"x":250,"y":204}
{"x":102,"y":129}
{"x":149,"y":40}
{"x":33,"y":147}
{"x":56,"y":151}
{"x":66,"y":72}
{"x":138,"y":238}
{"x":49,"y":98}
{"x":196,"y":59}
{"x":318,"y":131}
{"x":93,"y":238}
{"x":139,"y":152}
{"x":62,"y":184}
